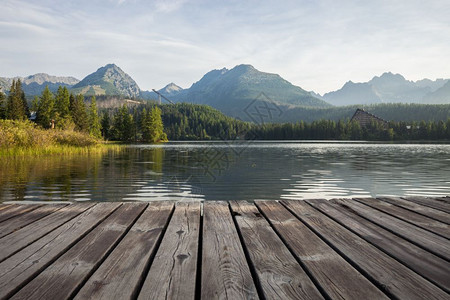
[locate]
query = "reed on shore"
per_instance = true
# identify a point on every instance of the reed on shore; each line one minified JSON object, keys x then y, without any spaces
{"x":20,"y":138}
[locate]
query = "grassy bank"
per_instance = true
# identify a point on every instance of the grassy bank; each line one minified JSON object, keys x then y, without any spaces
{"x":20,"y":138}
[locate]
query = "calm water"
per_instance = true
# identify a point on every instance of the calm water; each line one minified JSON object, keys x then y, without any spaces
{"x":232,"y":171}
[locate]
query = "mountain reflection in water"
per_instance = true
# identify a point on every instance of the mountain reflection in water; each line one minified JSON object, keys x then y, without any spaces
{"x":245,"y":170}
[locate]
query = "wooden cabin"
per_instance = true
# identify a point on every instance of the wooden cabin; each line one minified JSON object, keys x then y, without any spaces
{"x":365,"y":118}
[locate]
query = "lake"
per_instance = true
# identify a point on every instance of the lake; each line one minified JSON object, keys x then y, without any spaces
{"x":235,"y":170}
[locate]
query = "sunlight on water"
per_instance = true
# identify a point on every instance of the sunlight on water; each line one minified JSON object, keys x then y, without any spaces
{"x":196,"y":171}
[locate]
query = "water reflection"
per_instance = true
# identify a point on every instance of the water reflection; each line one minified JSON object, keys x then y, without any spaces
{"x":223,"y":171}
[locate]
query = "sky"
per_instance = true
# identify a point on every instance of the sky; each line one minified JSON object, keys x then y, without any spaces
{"x":317,"y":45}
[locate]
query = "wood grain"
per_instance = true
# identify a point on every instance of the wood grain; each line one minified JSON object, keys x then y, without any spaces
{"x":420,"y":209}
{"x":16,"y":210}
{"x":20,"y":268}
{"x":421,"y":261}
{"x":28,"y":218}
{"x":436,"y":203}
{"x":416,"y":219}
{"x":63,"y":277}
{"x":174,"y":268}
{"x":121,"y":274}
{"x":337,"y":278}
{"x":225,"y":272}
{"x":23,"y":237}
{"x":423,"y":238}
{"x":279,"y":274}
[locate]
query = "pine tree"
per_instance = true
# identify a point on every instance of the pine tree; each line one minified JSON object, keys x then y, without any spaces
{"x":2,"y":106}
{"x":45,"y":109}
{"x":79,"y":114}
{"x":62,"y":102}
{"x":117,"y":125}
{"x":94,"y":121}
{"x":106,"y":125}
{"x":123,"y":128}
{"x":154,"y":126}
{"x":145,"y":126}
{"x":17,"y":107}
{"x":129,"y":126}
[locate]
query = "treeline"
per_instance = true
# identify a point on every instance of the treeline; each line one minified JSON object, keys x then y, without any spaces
{"x":133,"y":125}
{"x":62,"y":111}
{"x":69,"y":112}
{"x":182,"y":121}
{"x":388,"y":111}
{"x":347,"y":130}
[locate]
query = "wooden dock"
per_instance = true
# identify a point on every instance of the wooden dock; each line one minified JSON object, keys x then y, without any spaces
{"x":388,"y":248}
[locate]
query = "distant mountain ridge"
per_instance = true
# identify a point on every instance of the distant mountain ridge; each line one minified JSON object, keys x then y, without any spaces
{"x":232,"y":91}
{"x":389,"y":88}
{"x":35,"y":84}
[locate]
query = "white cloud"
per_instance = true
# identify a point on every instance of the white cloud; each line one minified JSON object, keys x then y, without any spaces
{"x":318,"y":45}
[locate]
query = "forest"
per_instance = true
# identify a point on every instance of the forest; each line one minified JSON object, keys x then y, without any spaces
{"x":149,"y":122}
{"x":184,"y":121}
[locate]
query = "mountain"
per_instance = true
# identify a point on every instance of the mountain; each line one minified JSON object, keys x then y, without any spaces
{"x":440,"y":96}
{"x":236,"y":91}
{"x":387,"y":88}
{"x":108,"y":80}
{"x":353,"y":93}
{"x":432,"y":85}
{"x":169,"y":90}
{"x":34,"y":84}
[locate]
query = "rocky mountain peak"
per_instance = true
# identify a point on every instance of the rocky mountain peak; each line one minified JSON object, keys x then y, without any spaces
{"x":43,"y":78}
{"x":109,"y":80}
{"x":171,"y":88}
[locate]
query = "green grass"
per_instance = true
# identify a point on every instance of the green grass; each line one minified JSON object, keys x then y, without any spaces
{"x":24,"y":138}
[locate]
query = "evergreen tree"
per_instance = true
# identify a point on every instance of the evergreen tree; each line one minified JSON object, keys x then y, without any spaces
{"x":35,"y":104}
{"x":79,"y":114}
{"x":17,"y":107}
{"x":106,"y":125}
{"x":45,"y":109}
{"x":145,"y":126}
{"x":129,"y":127}
{"x":117,"y":125}
{"x":2,"y":106}
{"x":94,"y":121}
{"x":123,"y":125}
{"x":62,"y":102}
{"x":155,"y":126}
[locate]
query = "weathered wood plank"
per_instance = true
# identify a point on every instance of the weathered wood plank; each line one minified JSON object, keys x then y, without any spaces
{"x":173,"y":272}
{"x":394,"y":278}
{"x":121,"y":274}
{"x":425,"y":239}
{"x":225,"y":272}
{"x":28,"y":218}
{"x":63,"y":277}
{"x":280,"y":275}
{"x":420,"y":209}
{"x":423,"y":262}
{"x":5,"y":206}
{"x":337,"y":278}
{"x":23,"y":237}
{"x":430,"y":202}
{"x":445,"y":199}
{"x":16,"y":210}
{"x":20,"y":268}
{"x":426,"y":223}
